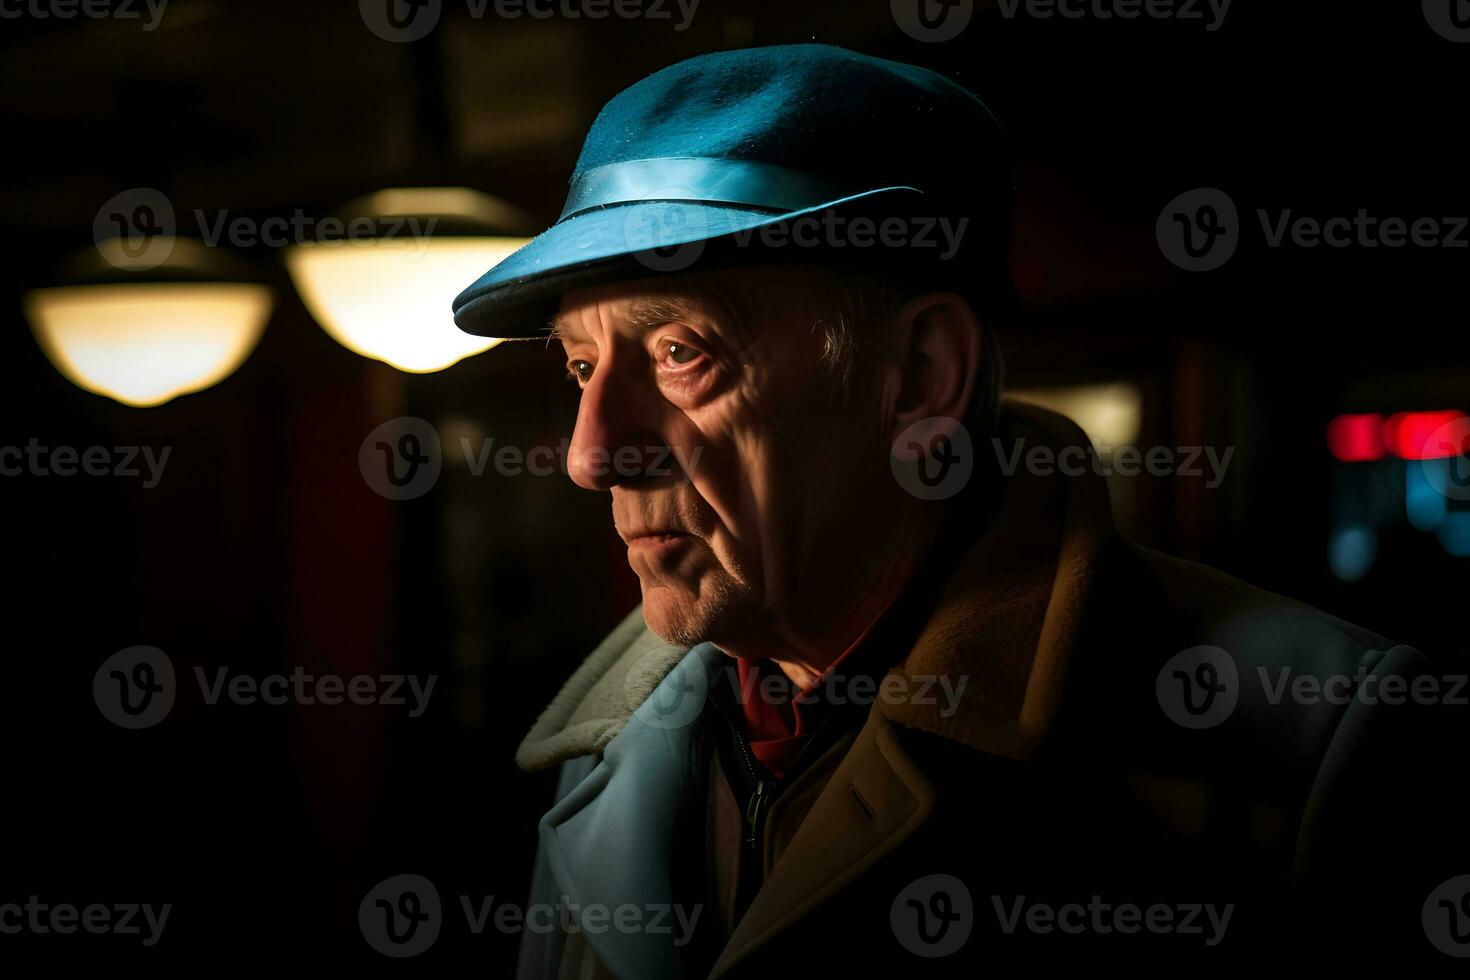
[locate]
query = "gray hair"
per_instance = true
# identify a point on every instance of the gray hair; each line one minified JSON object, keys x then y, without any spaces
{"x":853,"y":337}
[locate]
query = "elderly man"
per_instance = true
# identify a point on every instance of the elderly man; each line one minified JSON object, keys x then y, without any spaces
{"x":891,"y":700}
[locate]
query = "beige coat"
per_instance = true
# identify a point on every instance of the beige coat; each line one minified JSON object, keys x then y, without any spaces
{"x":1059,"y":776}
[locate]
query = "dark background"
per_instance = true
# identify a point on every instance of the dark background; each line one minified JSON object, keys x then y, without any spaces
{"x":263,"y":548}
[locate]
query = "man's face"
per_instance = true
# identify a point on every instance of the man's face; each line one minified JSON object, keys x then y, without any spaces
{"x":771,"y":480}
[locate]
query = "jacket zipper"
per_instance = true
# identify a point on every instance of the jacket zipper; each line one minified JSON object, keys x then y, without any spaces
{"x":753,"y":814}
{"x":762,"y":791}
{"x":755,"y":806}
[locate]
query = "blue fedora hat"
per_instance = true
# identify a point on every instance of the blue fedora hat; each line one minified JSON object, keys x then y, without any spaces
{"x":705,"y":162}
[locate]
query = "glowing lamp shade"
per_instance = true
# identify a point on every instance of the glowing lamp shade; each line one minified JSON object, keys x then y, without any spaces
{"x":389,"y":299}
{"x":387,"y":295}
{"x":144,"y":343}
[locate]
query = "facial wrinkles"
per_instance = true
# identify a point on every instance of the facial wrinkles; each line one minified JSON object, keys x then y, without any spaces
{"x":728,"y":427}
{"x":741,"y":431}
{"x":771,"y":443}
{"x":685,"y":431}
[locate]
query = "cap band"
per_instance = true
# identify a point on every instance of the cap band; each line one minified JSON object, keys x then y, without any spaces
{"x":699,"y":180}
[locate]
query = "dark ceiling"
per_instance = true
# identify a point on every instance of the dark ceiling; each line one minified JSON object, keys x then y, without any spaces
{"x":269,"y":106}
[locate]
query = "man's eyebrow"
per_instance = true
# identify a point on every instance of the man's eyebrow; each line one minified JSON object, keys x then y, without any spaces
{"x":558,"y":328}
{"x":645,"y":314}
{"x":651,"y":313}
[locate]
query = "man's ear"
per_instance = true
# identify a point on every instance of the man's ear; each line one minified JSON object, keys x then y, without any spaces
{"x":937,"y":361}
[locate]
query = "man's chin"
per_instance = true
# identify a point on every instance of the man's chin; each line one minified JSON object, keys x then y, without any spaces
{"x":680,"y":615}
{"x":672,"y":612}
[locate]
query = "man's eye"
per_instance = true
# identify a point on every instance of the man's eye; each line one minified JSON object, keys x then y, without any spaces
{"x":680,"y":353}
{"x":579,"y":371}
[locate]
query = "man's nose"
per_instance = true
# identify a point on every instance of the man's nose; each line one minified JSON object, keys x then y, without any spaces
{"x":616,"y":439}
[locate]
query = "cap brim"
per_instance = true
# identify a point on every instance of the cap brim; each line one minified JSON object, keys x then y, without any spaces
{"x":517,"y":298}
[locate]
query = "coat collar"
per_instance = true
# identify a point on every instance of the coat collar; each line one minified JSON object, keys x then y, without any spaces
{"x":607,"y":841}
{"x":1007,"y":624}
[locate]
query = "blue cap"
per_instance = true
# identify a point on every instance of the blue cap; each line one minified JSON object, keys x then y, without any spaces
{"x":709,"y":161}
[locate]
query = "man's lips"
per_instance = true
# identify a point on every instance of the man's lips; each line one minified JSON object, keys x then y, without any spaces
{"x":655,"y":536}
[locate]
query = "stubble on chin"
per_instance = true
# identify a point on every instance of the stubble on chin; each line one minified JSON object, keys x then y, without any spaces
{"x":713,"y":608}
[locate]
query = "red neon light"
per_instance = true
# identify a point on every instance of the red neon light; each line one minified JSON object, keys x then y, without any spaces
{"x":1356,"y":438}
{"x":1426,"y":435}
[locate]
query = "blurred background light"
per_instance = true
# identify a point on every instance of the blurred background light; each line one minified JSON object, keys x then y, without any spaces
{"x":145,"y":344}
{"x":145,"y":336}
{"x":388,"y":297}
{"x":1351,"y":552}
{"x":1417,"y":435}
{"x":1111,"y":414}
{"x":1454,"y":534}
{"x":1356,"y":438}
{"x":1424,"y":505}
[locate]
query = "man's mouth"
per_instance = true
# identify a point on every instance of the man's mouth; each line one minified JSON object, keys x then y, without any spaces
{"x":658,"y":545}
{"x":656,"y":537}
